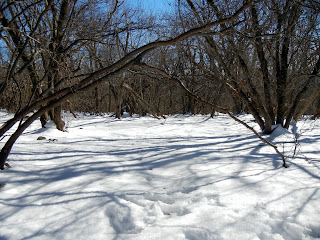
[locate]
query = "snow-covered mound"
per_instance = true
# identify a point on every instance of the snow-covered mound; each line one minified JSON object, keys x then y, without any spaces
{"x":186,"y":177}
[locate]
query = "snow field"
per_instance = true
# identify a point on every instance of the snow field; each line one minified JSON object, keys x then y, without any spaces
{"x":186,"y":177}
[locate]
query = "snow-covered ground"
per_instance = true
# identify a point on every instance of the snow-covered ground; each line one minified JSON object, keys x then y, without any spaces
{"x":186,"y":177}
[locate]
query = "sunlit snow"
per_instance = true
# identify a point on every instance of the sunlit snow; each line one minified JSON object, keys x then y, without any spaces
{"x":186,"y":177}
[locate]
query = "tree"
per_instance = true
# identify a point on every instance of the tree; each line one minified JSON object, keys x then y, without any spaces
{"x":53,"y":53}
{"x":264,"y":56}
{"x":53,"y":99}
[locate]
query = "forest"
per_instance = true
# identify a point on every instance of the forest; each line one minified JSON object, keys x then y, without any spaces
{"x":119,"y":121}
{"x":257,"y":57}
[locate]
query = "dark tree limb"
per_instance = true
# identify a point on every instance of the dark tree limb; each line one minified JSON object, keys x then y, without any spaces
{"x":96,"y":78}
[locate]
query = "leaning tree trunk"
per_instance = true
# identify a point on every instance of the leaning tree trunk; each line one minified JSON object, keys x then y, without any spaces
{"x":13,"y":138}
{"x":5,"y":151}
{"x":97,"y":78}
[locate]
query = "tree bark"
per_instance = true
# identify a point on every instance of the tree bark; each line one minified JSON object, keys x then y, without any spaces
{"x":307,"y":103}
{"x":301,"y":94}
{"x":283,"y":61}
{"x":269,"y":115}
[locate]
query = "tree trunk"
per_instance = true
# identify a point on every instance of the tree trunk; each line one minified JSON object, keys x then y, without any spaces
{"x":52,"y":103}
{"x":44,"y":119}
{"x":97,"y":99}
{"x":283,"y":61}
{"x":57,"y":119}
{"x":13,"y":138}
{"x":307,"y":103}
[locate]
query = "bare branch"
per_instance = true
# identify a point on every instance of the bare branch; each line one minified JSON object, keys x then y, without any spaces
{"x":223,"y":110}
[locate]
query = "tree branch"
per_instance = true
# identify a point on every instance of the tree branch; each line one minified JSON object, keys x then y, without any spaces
{"x":223,"y":110}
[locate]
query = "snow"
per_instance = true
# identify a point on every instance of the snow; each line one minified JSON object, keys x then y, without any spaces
{"x":186,"y":177}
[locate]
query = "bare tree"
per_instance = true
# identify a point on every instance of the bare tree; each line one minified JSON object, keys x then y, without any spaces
{"x":53,"y":99}
{"x":52,"y":53}
{"x":264,"y":57}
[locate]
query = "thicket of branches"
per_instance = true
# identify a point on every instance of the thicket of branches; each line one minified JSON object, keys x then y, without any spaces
{"x":259,"y":57}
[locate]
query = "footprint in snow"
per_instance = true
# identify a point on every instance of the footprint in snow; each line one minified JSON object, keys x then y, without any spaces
{"x":121,"y":220}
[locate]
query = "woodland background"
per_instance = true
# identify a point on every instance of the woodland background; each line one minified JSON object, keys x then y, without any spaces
{"x":97,"y":56}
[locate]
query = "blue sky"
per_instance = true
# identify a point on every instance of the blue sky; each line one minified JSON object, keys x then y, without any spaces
{"x":153,"y":5}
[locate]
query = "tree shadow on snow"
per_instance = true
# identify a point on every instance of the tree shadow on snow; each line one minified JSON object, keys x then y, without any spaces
{"x":74,"y":170}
